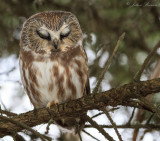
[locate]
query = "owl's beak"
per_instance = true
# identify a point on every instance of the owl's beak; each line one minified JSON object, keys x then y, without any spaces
{"x":55,"y":43}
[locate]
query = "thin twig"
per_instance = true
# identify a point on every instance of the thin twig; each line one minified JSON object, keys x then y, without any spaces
{"x":97,"y":115}
{"x":101,"y":113}
{"x":138,"y":104}
{"x":24,"y":126}
{"x":79,"y":135}
{"x":150,"y":118}
{"x":145,"y":132}
{"x":148,"y":105}
{"x":7,"y":113}
{"x":108,"y":63}
{"x":90,"y":135}
{"x":78,"y":131}
{"x":130,"y":119}
{"x":113,"y":109}
{"x":49,"y":123}
{"x":134,"y":126}
{"x":101,"y":130}
{"x":31,"y":134}
{"x":17,"y":137}
{"x":146,"y":61}
{"x":7,"y":72}
{"x":112,"y":122}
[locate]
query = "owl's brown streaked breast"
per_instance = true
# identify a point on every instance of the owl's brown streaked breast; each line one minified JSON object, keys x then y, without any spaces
{"x":53,"y":80}
{"x":26,"y":74}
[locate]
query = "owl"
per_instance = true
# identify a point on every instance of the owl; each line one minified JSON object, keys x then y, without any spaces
{"x":53,"y":62}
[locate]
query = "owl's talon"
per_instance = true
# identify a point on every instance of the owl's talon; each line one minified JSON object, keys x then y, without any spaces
{"x":52,"y":103}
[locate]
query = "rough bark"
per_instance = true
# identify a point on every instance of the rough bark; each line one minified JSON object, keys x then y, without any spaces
{"x":116,"y":96}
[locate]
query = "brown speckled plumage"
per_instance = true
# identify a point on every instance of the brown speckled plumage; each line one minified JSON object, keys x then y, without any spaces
{"x":53,"y":63}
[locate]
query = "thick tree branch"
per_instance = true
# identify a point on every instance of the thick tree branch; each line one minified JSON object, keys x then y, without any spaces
{"x":116,"y":96}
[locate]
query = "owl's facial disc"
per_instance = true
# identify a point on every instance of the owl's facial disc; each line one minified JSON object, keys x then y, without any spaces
{"x":53,"y":40}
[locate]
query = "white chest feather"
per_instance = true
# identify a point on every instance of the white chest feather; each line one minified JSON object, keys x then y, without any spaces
{"x":50,"y":80}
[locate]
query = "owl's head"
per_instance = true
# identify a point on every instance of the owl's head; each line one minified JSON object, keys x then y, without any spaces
{"x":51,"y":32}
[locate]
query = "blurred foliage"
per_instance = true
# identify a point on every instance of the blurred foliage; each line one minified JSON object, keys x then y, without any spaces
{"x":102,"y":22}
{"x":107,"y":20}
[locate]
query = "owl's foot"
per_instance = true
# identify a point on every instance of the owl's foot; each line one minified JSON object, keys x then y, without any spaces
{"x":51,"y":103}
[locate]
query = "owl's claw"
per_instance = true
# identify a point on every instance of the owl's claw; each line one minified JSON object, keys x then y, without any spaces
{"x":51,"y":103}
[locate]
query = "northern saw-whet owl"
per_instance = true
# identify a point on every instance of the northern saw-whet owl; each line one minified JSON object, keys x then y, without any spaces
{"x":53,"y":63}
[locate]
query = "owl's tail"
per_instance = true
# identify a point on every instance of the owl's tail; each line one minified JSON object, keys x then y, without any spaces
{"x":71,"y":124}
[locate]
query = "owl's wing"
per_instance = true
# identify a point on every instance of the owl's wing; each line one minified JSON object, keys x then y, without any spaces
{"x":87,"y":88}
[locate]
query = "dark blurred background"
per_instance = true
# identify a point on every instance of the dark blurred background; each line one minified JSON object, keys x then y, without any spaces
{"x":102,"y":22}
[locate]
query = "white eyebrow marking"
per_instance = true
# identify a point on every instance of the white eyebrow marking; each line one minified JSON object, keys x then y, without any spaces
{"x":56,"y":34}
{"x":65,"y":30}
